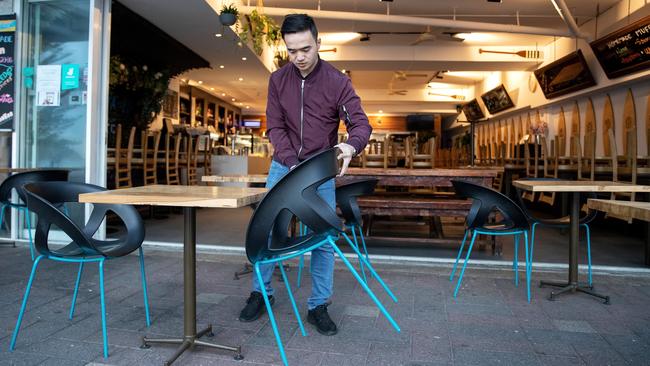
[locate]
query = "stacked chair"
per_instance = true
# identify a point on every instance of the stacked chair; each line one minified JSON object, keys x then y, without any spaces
{"x":268,"y":241}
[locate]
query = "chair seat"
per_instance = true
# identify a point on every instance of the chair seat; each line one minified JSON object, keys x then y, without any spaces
{"x":296,"y":245}
{"x":500,"y":228}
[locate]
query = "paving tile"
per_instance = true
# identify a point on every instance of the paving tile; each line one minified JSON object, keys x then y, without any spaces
{"x":464,"y":356}
{"x":573,"y":326}
{"x":210,"y":298}
{"x":332,"y":359}
{"x":361,"y":310}
{"x":550,"y":360}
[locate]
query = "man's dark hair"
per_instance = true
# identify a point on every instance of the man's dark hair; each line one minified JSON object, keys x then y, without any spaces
{"x":296,"y":23}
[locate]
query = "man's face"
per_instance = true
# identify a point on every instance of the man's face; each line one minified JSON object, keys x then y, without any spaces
{"x":303,"y":50}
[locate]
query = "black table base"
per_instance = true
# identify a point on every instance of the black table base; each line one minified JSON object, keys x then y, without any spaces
{"x":190,"y":336}
{"x":565,"y":287}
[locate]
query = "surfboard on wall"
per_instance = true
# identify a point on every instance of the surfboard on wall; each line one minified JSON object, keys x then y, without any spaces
{"x":589,"y":147}
{"x":608,"y":123}
{"x":629,"y":126}
{"x":561,"y":133}
{"x":575,"y":129}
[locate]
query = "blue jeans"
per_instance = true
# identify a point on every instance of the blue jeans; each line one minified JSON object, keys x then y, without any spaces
{"x":322,"y":258}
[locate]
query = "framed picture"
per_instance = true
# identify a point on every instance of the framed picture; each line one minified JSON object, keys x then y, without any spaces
{"x":566,"y":75}
{"x":473,"y":110}
{"x":497,"y":100}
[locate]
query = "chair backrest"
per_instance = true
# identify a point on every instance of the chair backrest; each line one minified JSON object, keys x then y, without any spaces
{"x":295,"y":194}
{"x":43,"y":199}
{"x":18,"y":180}
{"x":486,"y":201}
{"x":346,"y":198}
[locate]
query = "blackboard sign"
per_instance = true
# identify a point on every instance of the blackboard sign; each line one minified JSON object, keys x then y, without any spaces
{"x":625,"y":51}
{"x":566,"y":75}
{"x":7,"y":37}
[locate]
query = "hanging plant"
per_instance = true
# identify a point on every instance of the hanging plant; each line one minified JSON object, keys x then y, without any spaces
{"x":228,"y":15}
{"x":260,"y":29}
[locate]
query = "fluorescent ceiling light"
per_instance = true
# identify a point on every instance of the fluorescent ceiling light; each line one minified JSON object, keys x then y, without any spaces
{"x":477,"y":75}
{"x":337,"y":37}
{"x":476,"y":37}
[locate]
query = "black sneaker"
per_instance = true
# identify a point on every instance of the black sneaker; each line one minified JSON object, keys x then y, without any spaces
{"x":319,"y":317}
{"x":254,"y":307}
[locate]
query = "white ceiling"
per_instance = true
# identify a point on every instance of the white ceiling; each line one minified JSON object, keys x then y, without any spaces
{"x":373,"y":63}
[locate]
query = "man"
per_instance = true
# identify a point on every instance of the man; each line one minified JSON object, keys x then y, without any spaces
{"x":306,"y":100}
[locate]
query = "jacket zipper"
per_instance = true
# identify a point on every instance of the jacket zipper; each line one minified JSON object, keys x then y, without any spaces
{"x":302,"y":113}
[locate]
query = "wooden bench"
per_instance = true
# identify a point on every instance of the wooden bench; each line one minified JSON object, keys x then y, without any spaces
{"x":431,"y":208}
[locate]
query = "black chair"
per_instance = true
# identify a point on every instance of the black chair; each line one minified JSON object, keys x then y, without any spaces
{"x":346,"y":198}
{"x":487,"y":201}
{"x":16,"y":182}
{"x":268,"y":240}
{"x":42,"y":199}
{"x":561,"y":223}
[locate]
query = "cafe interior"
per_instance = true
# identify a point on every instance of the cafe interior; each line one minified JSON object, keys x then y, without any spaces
{"x":544,"y":102}
{"x":527,"y":91}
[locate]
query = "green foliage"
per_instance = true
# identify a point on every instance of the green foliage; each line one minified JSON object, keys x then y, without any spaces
{"x":230,"y":8}
{"x":135,"y":93}
{"x":260,"y":29}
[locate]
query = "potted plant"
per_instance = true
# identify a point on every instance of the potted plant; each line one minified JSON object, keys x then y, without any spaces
{"x":228,"y":15}
{"x":260,"y":29}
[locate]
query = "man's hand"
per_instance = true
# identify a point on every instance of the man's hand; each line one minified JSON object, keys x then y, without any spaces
{"x":347,"y":153}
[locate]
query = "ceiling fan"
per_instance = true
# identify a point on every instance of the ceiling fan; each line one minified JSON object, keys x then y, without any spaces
{"x":403,"y":75}
{"x":431,"y":36}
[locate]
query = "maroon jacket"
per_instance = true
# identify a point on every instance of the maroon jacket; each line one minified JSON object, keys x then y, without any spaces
{"x":303,"y":114}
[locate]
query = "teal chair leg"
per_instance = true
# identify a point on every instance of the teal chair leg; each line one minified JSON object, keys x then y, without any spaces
{"x":29,"y":232}
{"x":532,"y":241}
{"x":364,"y":285}
{"x":293,"y":301}
{"x":103,"y":306}
{"x":588,"y":231}
{"x":528,"y":265}
{"x":515,"y":261}
{"x":144,"y":287}
{"x":76,"y":290}
{"x":363,"y":242}
{"x":374,"y":274}
{"x":2,"y":216}
{"x":356,"y":245}
{"x":462,"y":271}
{"x":460,"y":251}
{"x":256,"y":270}
{"x":301,"y":264}
{"x":24,"y":304}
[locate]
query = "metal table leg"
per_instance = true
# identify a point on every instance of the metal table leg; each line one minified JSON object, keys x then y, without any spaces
{"x":573,"y":286}
{"x":190,"y":336}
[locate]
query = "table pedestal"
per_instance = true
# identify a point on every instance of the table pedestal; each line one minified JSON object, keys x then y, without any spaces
{"x":573,"y":286}
{"x":190,"y":336}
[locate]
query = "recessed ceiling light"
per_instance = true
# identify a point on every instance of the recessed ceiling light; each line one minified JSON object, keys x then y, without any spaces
{"x":343,"y":71}
{"x":380,"y":111}
{"x":240,"y":103}
{"x":221,"y":66}
{"x":223,"y":94}
{"x":218,"y":35}
{"x":200,"y":82}
{"x":241,"y":79}
{"x":233,"y":99}
{"x":211,"y":88}
{"x":243,"y":58}
{"x":248,"y":107}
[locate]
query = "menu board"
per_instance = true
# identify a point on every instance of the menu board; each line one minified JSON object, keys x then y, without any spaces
{"x":566,"y":75}
{"x":7,"y":35}
{"x":625,"y":51}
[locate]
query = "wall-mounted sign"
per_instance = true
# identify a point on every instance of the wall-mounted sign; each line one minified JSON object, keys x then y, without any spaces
{"x":7,"y":33}
{"x":69,"y":76}
{"x":473,"y":110}
{"x":497,"y":100}
{"x":566,"y":75}
{"x":625,"y":51}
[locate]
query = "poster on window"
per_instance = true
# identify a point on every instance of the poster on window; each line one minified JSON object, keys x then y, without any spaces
{"x":48,"y":85}
{"x":7,"y":33}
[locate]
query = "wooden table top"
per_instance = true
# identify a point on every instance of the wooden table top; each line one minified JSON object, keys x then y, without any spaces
{"x":577,"y":186}
{"x":235,"y":178}
{"x":437,"y":172}
{"x":636,"y":210}
{"x":179,"y":196}
{"x":22,"y":170}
